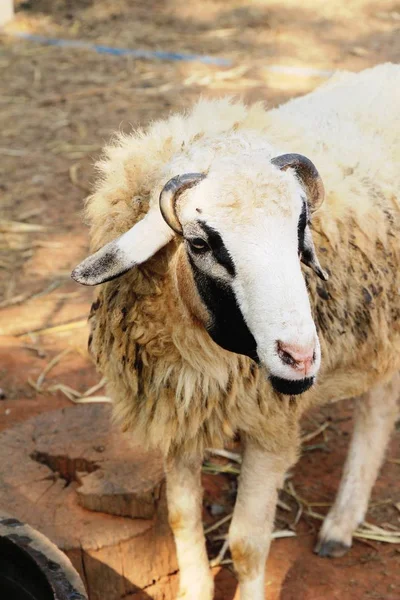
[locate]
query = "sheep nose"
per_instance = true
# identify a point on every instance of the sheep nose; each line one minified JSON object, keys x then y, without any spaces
{"x":300,"y":358}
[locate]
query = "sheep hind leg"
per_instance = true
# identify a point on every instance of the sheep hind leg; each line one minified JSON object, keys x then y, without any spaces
{"x":184,"y":500}
{"x":375,"y":415}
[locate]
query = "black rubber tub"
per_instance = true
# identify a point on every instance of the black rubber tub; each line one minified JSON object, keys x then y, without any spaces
{"x":32,"y":568}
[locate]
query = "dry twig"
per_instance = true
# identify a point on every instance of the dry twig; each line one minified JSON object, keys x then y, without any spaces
{"x":213,"y":468}
{"x":18,"y":227}
{"x":49,"y":366}
{"x":215,"y":526}
{"x":221,"y":555}
{"x":225,"y":454}
{"x":73,"y":175}
{"x":314,"y":434}
{"x":57,"y":328}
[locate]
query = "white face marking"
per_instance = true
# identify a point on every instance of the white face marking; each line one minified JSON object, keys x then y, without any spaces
{"x":257,"y":214}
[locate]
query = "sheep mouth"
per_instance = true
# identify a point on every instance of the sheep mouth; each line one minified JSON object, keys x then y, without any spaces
{"x":289,"y":387}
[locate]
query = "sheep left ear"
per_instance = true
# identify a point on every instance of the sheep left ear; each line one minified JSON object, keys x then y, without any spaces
{"x":311,"y":181}
{"x":308,"y":175}
{"x":308,"y":255}
{"x":132,"y":248}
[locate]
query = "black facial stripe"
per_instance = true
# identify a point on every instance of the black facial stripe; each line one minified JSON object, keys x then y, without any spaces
{"x":228,"y":327}
{"x":301,"y":227}
{"x":289,"y":387}
{"x":218,"y":248}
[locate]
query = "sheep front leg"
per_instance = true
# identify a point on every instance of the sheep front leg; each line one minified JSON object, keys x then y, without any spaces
{"x":262,"y":474}
{"x":184,"y":499}
{"x":375,"y":414}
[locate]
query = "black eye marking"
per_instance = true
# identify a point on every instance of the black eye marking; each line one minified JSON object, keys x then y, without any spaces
{"x":198,"y":245}
{"x":218,"y":248}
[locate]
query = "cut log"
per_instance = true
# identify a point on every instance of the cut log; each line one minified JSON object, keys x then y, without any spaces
{"x":86,"y":486}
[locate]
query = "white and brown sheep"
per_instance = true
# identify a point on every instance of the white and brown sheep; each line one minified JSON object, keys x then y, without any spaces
{"x":215,"y":329}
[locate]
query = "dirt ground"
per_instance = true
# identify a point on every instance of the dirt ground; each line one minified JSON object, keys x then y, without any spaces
{"x":58,"y":106}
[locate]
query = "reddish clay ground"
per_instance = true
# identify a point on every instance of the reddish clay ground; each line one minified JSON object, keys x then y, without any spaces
{"x":58,"y":106}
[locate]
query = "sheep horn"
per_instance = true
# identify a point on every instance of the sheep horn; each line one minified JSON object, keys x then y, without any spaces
{"x":307,"y":173}
{"x":170,"y":194}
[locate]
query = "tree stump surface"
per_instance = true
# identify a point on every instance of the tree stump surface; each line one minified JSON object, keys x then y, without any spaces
{"x":85,"y":485}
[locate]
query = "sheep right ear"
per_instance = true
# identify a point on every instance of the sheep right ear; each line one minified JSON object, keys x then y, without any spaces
{"x":132,"y":248}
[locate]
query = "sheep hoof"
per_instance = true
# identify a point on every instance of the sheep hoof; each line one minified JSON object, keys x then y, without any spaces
{"x":331,"y":548}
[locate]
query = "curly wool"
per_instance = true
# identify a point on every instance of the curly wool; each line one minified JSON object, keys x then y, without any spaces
{"x":172,"y":386}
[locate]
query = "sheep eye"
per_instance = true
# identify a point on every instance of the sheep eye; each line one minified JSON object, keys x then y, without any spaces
{"x":198,"y":245}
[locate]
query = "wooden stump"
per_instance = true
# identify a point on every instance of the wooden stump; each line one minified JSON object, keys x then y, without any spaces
{"x":96,"y":495}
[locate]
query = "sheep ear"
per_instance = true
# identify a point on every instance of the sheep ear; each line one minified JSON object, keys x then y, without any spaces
{"x":309,"y":256}
{"x":132,"y":248}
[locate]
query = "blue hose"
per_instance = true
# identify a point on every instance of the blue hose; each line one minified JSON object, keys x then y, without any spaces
{"x":296,"y":71}
{"x":149,"y":54}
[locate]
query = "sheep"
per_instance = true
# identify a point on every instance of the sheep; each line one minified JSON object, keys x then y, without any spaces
{"x":207,"y":324}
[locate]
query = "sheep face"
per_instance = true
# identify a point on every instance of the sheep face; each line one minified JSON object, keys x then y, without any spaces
{"x":245,"y":228}
{"x":243,"y":231}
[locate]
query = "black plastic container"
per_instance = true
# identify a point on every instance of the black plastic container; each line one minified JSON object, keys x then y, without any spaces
{"x":32,"y":568}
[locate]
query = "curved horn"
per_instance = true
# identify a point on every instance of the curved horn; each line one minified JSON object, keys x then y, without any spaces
{"x":170,"y":195}
{"x":307,"y":173}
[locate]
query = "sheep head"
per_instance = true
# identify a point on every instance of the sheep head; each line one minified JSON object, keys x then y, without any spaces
{"x":245,"y":228}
